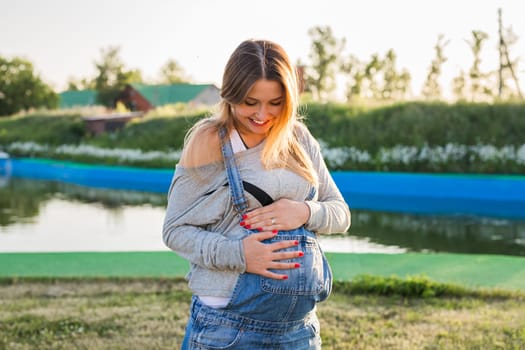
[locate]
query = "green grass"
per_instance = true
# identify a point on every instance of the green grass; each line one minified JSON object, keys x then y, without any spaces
{"x":150,"y":313}
{"x":368,"y":129}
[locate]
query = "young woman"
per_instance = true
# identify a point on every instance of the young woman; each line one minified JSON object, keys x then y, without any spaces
{"x":249,"y":195}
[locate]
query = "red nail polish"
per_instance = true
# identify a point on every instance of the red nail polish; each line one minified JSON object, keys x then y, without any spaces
{"x":285,"y":277}
{"x":275,"y":232}
{"x":296,"y":242}
{"x":300,"y":254}
{"x":247,"y":226}
{"x":242,"y":223}
{"x":260,"y":229}
{"x":297,"y":265}
{"x":245,"y":216}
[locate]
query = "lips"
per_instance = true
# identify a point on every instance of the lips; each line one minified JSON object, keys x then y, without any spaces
{"x":258,"y":122}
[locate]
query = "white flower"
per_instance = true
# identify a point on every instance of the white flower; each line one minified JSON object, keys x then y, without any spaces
{"x":520,"y":155}
{"x":398,"y":154}
{"x":121,"y":154}
{"x":359,"y":156}
{"x":27,"y":147}
{"x":334,"y":157}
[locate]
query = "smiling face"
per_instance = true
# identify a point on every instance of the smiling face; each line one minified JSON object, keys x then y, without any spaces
{"x":257,"y":113}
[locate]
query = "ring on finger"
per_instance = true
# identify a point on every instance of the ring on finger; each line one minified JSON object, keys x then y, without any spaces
{"x":273,"y":221}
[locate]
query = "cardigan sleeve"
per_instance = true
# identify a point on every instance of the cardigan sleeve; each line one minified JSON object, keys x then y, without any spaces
{"x":190,"y":211}
{"x":329,"y":213}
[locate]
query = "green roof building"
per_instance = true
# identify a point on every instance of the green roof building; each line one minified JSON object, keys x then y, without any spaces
{"x":159,"y":95}
{"x":142,"y":97}
{"x":80,"y":98}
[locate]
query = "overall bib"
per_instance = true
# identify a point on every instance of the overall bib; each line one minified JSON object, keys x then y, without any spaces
{"x":264,"y":313}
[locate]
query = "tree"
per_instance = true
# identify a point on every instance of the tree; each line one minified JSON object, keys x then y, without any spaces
{"x":395,"y":84}
{"x":371,"y":84}
{"x":507,"y":67}
{"x":377,"y":79}
{"x":478,"y":88}
{"x":112,"y":76}
{"x":355,"y":71}
{"x":21,"y":88}
{"x":431,"y":88}
{"x":459,"y":86}
{"x":172,"y":73}
{"x":324,"y":54}
{"x":74,"y":84}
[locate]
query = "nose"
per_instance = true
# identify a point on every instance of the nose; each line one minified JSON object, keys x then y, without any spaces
{"x":263,"y":112}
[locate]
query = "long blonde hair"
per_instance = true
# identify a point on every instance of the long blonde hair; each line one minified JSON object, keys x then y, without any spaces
{"x":251,"y":61}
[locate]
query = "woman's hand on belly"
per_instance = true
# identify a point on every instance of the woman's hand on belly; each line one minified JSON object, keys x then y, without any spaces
{"x":261,"y":257}
{"x":282,"y":215}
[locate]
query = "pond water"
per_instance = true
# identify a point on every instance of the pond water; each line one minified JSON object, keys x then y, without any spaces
{"x":45,"y":216}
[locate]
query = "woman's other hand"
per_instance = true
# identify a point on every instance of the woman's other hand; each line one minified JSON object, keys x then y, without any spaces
{"x":282,"y":215}
{"x":261,"y":257}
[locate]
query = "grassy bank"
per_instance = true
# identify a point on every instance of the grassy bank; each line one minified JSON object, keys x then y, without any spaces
{"x":409,"y":137}
{"x":368,"y":313}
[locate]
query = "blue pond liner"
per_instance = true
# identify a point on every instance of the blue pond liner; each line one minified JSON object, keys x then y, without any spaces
{"x":440,"y":194}
{"x":101,"y":176}
{"x":470,"y":194}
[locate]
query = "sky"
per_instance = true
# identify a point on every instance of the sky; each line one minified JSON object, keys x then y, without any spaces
{"x":63,"y":38}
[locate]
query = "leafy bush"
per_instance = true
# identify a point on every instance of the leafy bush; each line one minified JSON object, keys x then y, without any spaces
{"x":418,"y":124}
{"x":42,"y":128}
{"x":412,"y":287}
{"x":150,"y":134}
{"x":414,"y":137}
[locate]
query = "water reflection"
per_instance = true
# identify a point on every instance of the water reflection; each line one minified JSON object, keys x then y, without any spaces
{"x":53,"y":216}
{"x":456,"y":234}
{"x":21,"y":199}
{"x":65,"y":217}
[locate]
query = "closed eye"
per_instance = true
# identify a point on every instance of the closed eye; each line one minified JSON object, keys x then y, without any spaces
{"x":276,"y":102}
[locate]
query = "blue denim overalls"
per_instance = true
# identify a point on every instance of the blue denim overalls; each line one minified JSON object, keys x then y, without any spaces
{"x":264,"y":313}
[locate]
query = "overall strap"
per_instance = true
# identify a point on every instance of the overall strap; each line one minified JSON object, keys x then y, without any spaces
{"x":311,"y":194}
{"x":234,"y":176}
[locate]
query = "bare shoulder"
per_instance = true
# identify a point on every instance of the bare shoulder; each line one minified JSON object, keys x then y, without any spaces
{"x":203,"y":147}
